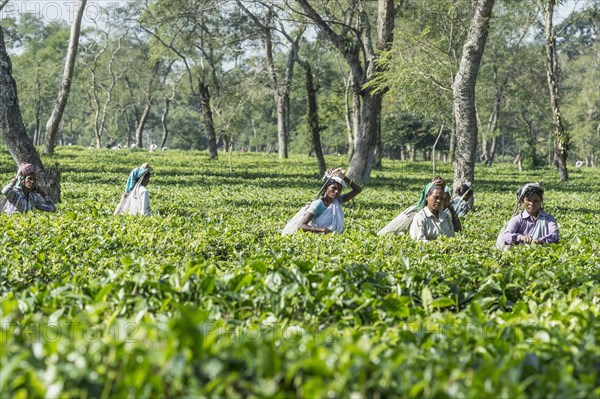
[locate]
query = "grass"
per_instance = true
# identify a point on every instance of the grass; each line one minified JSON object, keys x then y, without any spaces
{"x":207,"y":299}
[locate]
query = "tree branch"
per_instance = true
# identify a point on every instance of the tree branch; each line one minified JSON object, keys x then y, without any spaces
{"x":3,"y":3}
{"x":173,"y":49}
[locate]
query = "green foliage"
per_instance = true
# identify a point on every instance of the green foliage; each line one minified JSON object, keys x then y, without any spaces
{"x":580,"y":59}
{"x":207,"y":299}
{"x":223,"y":48}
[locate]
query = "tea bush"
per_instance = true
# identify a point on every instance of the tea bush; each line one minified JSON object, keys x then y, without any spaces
{"x":207,"y":299}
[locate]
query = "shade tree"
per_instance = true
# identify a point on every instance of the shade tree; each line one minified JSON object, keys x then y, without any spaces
{"x":52,"y":125}
{"x":349,"y":29}
{"x":13,"y":130}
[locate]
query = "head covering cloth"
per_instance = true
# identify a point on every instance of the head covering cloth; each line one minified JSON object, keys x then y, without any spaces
{"x":436,"y":181}
{"x":25,"y":169}
{"x":527,"y":190}
{"x":329,"y":179}
{"x":135,"y":176}
{"x":338,"y":180}
{"x":428,"y":187}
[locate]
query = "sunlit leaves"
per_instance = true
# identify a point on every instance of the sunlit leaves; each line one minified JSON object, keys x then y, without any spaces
{"x":207,"y":299}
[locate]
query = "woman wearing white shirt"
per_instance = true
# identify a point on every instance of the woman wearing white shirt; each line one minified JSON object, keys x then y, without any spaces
{"x":136,"y":199}
{"x":431,"y":221}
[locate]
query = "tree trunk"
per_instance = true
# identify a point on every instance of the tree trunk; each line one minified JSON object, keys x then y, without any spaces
{"x":357,"y":47}
{"x":281,"y":95}
{"x":100,"y":118}
{"x":519,"y":161}
{"x":313,"y":118}
{"x":139,"y":130}
{"x":370,"y":127}
{"x":561,"y":136}
{"x":492,"y":151}
{"x":348,"y":117}
{"x":453,"y":144}
{"x":286,"y":89}
{"x":437,"y":139}
{"x":530,"y":141}
{"x":281,"y":92}
{"x":464,"y":93}
{"x":378,"y":149}
{"x":208,"y":120}
{"x":356,"y":122}
{"x":483,"y":157}
{"x":282,"y":144}
{"x":364,"y":151}
{"x":65,"y":86}
{"x":163,"y":120}
{"x":19,"y":144}
{"x":129,"y":124}
{"x":37,"y":134}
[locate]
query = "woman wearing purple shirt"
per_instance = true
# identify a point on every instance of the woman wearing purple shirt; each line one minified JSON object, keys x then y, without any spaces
{"x":532,"y":225}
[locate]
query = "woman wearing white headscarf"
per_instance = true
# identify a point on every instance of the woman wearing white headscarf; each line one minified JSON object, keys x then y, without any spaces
{"x":325,"y":214}
{"x":136,"y":200}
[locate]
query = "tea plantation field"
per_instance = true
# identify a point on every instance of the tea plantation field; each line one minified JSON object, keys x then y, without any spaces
{"x":206,"y":299}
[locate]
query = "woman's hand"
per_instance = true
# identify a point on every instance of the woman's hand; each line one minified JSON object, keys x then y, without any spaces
{"x":525,"y":239}
{"x":338,"y":172}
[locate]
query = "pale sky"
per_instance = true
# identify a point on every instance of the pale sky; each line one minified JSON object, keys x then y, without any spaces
{"x":57,"y":10}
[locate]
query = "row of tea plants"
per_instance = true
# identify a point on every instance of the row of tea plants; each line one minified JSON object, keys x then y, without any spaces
{"x":207,"y":299}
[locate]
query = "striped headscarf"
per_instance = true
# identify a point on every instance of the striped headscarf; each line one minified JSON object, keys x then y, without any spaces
{"x":436,"y":181}
{"x":528,"y":189}
{"x":525,"y":191}
{"x":135,"y":176}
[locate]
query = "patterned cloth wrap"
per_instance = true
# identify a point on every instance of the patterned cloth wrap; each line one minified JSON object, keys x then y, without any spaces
{"x":25,"y":169}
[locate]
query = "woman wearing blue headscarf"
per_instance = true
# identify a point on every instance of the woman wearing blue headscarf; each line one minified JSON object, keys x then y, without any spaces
{"x":136,"y":200}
